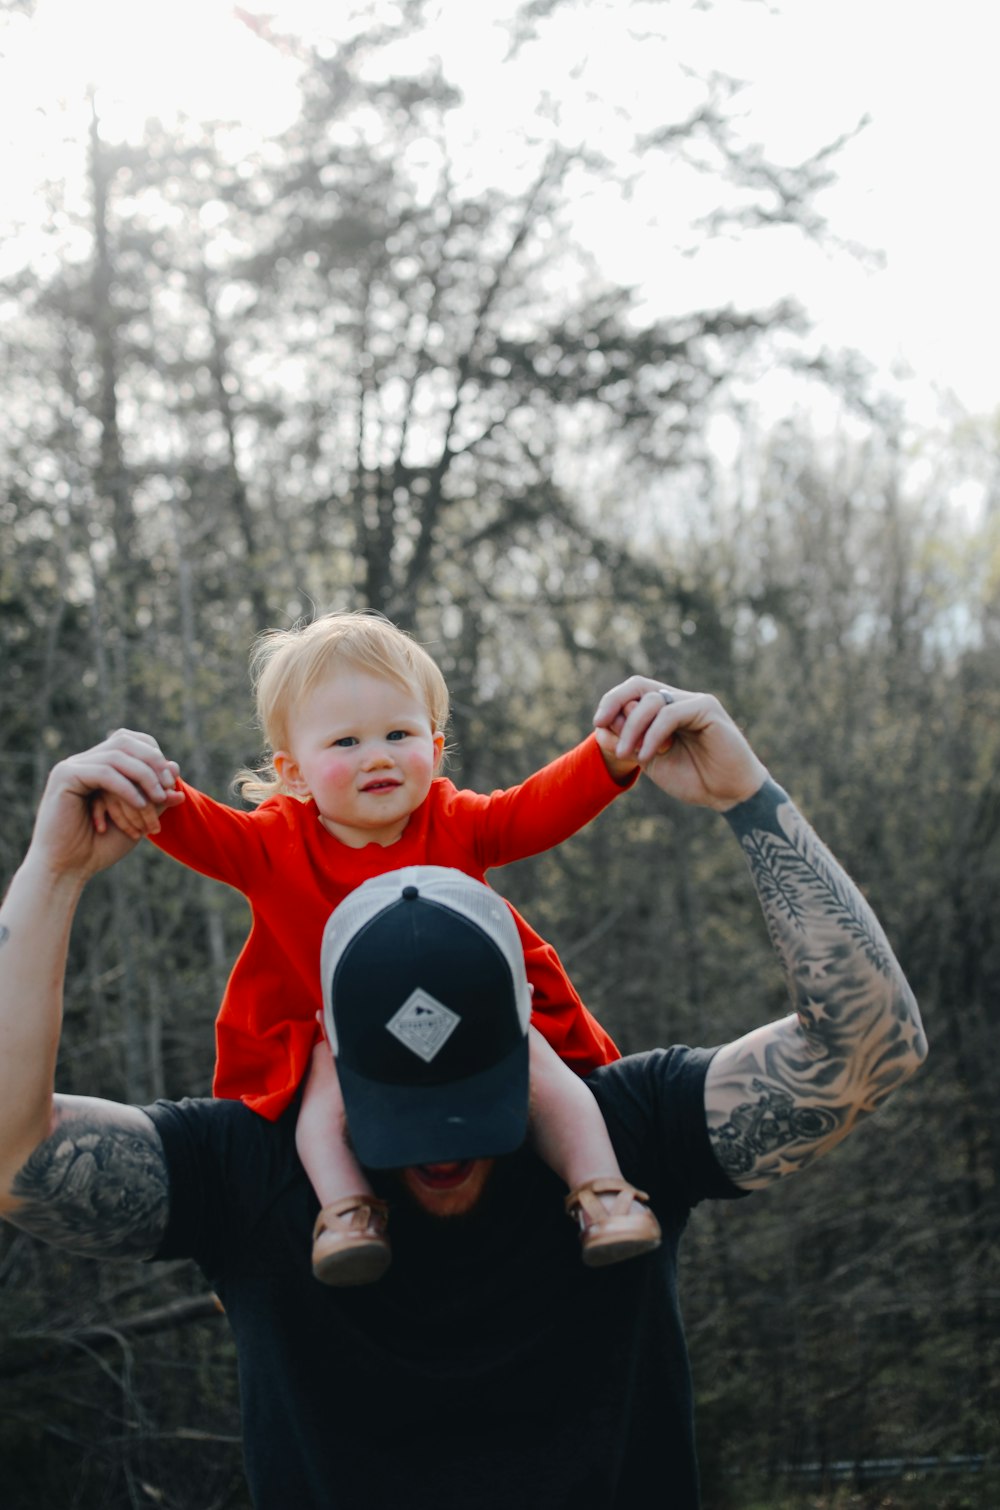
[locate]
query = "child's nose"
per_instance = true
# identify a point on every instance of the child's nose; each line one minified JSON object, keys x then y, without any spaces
{"x":378,"y":755}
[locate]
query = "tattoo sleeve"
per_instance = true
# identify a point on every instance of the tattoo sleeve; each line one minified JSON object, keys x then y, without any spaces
{"x":97,"y":1184}
{"x":787,"y":1093}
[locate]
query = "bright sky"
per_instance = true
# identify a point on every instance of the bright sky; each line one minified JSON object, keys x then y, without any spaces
{"x":919,"y":183}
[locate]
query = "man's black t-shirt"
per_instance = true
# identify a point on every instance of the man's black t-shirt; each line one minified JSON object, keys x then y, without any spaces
{"x":488,"y":1368}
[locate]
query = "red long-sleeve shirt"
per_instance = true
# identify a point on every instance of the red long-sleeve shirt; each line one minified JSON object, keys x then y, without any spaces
{"x":293,"y":872}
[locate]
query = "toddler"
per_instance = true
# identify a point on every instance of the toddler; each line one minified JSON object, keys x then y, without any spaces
{"x":354,"y":712}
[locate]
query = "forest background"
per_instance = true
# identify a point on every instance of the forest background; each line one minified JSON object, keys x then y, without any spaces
{"x":243,"y":382}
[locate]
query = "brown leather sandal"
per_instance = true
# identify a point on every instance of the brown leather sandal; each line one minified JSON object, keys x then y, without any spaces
{"x":349,"y":1242}
{"x":608,"y":1235}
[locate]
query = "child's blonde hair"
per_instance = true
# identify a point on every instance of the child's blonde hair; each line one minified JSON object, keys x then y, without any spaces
{"x":286,"y":664}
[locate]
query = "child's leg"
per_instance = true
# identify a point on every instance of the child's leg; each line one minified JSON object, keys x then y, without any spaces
{"x":349,"y":1243}
{"x":569,"y":1134}
{"x":320,"y":1134}
{"x":567,"y":1129}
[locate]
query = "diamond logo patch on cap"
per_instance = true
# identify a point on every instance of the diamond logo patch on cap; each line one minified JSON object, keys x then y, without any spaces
{"x":423,"y":1024}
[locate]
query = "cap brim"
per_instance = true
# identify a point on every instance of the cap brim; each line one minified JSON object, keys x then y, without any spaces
{"x":483,"y":1116}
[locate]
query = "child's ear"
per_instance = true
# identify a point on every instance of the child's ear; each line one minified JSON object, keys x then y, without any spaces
{"x":438,"y":748}
{"x":289,"y":772}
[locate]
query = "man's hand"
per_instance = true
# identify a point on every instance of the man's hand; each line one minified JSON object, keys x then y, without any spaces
{"x":69,"y":838}
{"x":685,"y":742}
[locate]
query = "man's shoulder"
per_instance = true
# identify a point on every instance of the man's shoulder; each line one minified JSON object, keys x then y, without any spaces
{"x":226,"y":1126}
{"x":226,"y":1165}
{"x":196,"y":1111}
{"x":653,"y":1070}
{"x":654,"y":1106}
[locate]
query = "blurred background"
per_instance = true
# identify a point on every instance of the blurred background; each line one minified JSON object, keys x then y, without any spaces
{"x":579,"y":338}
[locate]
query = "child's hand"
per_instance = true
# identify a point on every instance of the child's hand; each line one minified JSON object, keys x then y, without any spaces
{"x":614,"y":709}
{"x":620,"y":767}
{"x":133,"y":822}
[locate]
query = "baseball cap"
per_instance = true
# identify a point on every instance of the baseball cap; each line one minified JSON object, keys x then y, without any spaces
{"x":426,"y":1007}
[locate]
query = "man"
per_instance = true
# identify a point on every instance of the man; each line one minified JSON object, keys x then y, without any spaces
{"x":489,"y":1367}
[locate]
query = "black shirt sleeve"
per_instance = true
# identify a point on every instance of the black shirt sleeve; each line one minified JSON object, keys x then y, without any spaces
{"x":654,"y":1105}
{"x":217,"y":1152}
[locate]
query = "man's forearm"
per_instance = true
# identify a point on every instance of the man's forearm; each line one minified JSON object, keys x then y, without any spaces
{"x":786,"y":1093}
{"x":35,"y":922}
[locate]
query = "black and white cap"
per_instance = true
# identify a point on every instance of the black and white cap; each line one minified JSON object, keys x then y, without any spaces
{"x":426,"y":1007}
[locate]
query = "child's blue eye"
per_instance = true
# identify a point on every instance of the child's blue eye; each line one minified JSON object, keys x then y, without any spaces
{"x":346,"y":742}
{"x":397,"y":734}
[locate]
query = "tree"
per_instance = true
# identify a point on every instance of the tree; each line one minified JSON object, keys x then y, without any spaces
{"x":338,"y":370}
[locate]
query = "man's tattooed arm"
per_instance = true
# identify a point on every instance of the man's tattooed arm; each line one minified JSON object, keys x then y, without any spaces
{"x":96,"y":1184}
{"x":787,"y":1093}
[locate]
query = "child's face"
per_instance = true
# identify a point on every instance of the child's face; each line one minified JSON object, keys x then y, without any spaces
{"x":363,"y":748}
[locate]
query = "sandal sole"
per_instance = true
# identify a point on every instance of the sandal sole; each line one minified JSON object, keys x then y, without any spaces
{"x":360,"y":1264}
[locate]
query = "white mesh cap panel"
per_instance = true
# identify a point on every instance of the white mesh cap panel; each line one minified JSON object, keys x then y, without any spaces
{"x":450,"y":888}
